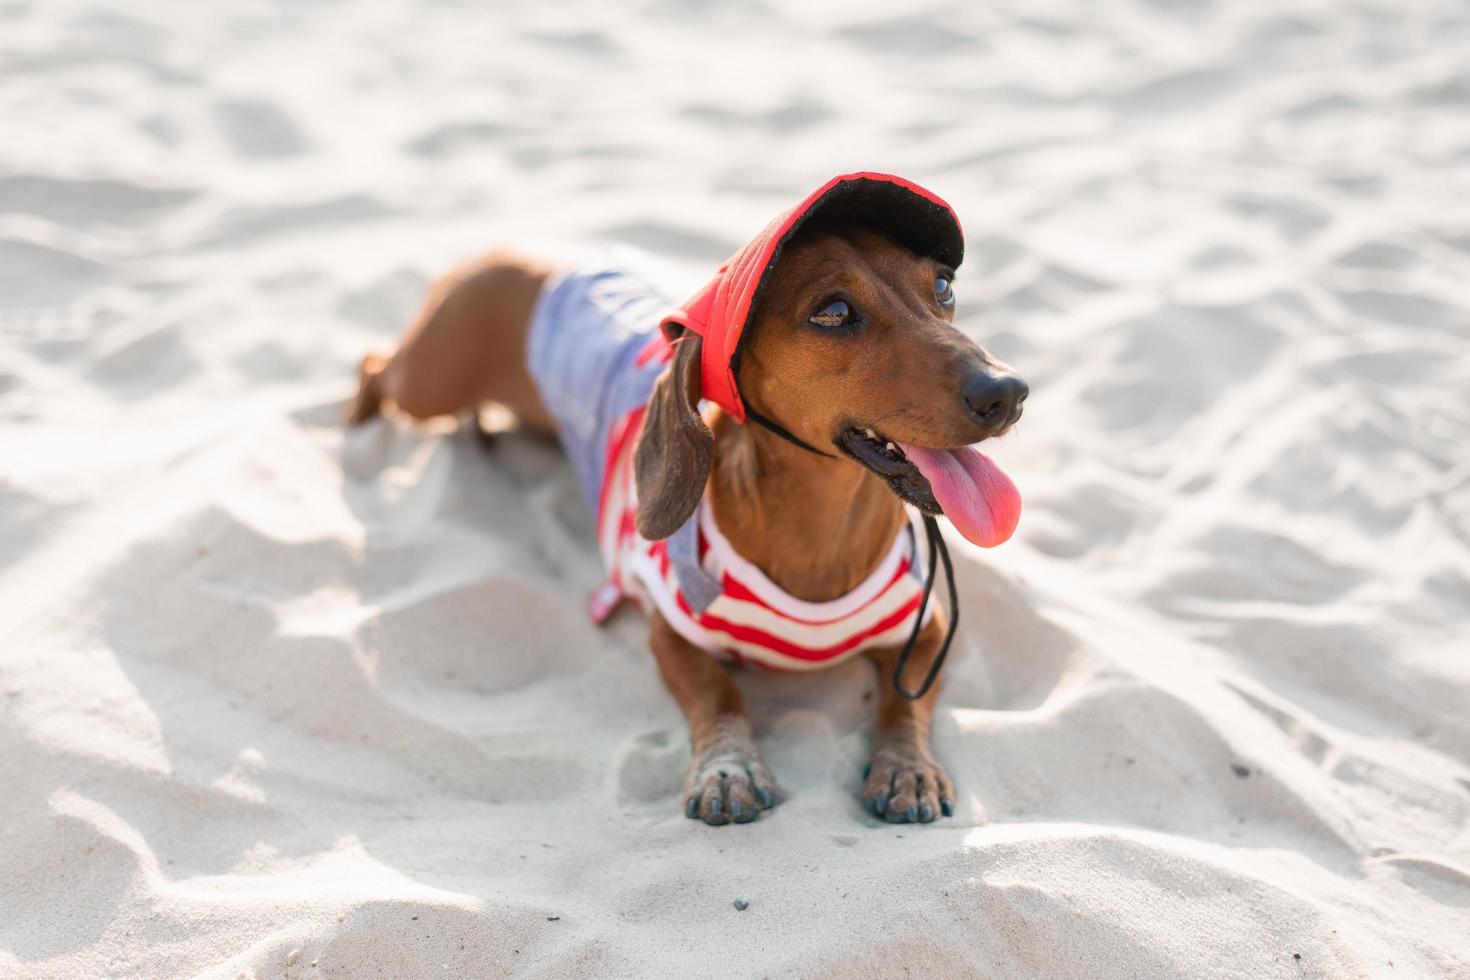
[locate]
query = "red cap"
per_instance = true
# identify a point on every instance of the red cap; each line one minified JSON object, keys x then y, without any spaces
{"x":721,"y":311}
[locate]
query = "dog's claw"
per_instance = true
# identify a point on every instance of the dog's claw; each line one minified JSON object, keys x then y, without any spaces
{"x":905,"y":785}
{"x":729,"y":784}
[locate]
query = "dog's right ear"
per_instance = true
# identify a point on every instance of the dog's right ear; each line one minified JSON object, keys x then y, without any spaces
{"x":671,"y":465}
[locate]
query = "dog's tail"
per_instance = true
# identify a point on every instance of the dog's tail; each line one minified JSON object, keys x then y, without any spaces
{"x":369,"y":400}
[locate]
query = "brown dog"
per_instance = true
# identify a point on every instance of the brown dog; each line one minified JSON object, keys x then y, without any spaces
{"x":886,"y":356}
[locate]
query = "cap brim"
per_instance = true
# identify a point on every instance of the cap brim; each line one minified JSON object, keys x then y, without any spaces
{"x":893,"y":207}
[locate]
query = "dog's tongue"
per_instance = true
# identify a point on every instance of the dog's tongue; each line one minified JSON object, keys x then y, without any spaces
{"x":979,"y":500}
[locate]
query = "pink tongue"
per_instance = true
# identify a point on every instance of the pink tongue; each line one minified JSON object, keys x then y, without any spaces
{"x":979,"y":500}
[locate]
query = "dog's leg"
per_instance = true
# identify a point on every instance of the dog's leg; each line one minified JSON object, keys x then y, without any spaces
{"x":727,"y":779}
{"x":904,"y":782}
{"x":467,"y":346}
{"x":369,"y":400}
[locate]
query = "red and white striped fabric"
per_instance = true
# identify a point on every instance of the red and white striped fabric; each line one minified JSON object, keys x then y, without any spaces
{"x":752,"y":620}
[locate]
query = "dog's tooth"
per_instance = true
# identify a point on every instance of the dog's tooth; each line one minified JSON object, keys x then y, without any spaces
{"x":870,"y":433}
{"x":891,"y":448}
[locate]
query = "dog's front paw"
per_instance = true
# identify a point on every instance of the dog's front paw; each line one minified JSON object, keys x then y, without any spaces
{"x":905,"y":785}
{"x":729,"y":783}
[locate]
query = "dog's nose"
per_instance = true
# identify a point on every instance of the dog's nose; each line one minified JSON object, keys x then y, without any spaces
{"x":995,"y":400}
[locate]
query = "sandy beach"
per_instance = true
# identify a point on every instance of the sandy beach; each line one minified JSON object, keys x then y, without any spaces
{"x":282,"y":700}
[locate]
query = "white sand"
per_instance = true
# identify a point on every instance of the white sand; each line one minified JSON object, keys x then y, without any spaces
{"x":280,"y":702}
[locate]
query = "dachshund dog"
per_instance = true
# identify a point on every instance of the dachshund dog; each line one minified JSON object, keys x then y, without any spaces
{"x":850,"y":343}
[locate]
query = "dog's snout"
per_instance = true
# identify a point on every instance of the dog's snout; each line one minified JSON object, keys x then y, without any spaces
{"x":995,"y":400}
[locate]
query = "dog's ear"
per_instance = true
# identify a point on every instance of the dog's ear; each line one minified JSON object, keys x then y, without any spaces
{"x":671,"y":464}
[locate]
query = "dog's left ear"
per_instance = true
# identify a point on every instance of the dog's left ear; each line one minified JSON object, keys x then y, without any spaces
{"x":672,"y":462}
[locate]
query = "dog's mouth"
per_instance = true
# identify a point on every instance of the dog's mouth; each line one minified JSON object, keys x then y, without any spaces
{"x":884,"y":458}
{"x":961,"y":483}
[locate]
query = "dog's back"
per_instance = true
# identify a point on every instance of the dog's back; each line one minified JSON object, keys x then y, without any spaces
{"x":594,"y":351}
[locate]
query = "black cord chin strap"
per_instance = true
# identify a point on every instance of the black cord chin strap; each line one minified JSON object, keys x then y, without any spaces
{"x":790,"y":437}
{"x":936,"y":550}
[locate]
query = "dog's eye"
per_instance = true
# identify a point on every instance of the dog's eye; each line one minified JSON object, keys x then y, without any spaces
{"x":944,"y":291}
{"x":834,"y":314}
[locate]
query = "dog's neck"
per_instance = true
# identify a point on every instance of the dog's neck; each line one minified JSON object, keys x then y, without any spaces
{"x":817,"y":527}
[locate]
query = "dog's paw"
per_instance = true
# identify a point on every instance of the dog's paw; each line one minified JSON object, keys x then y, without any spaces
{"x":729,"y":784}
{"x":906,"y":785}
